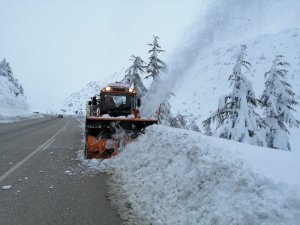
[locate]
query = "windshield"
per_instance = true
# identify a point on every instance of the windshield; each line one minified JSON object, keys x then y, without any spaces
{"x":115,"y":104}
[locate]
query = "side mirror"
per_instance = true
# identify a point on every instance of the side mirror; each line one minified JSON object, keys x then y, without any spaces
{"x":139,"y":102}
{"x":89,"y":103}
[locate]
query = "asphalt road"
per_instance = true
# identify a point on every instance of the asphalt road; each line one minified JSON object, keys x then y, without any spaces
{"x":38,"y":158}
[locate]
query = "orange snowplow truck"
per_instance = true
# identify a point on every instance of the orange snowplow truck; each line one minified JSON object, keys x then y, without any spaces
{"x":112,"y":120}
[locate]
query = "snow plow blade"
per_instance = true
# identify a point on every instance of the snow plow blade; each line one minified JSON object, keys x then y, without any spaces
{"x":105,"y":136}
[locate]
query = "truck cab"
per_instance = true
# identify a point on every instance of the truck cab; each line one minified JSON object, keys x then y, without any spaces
{"x":117,"y":99}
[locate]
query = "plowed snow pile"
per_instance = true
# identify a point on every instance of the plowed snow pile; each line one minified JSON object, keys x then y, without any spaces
{"x":174,"y":176}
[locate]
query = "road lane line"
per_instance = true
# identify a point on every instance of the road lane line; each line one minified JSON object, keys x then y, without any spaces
{"x":41,"y":147}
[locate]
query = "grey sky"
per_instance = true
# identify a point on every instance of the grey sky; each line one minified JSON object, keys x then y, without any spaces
{"x":56,"y":47}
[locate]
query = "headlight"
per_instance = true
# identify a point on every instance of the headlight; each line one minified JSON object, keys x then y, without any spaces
{"x":131,"y":89}
{"x":108,"y":88}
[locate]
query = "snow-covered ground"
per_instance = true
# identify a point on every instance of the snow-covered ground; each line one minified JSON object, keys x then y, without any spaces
{"x":175,"y":176}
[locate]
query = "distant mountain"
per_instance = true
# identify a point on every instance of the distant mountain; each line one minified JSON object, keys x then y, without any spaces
{"x":75,"y":103}
{"x":12,"y":97}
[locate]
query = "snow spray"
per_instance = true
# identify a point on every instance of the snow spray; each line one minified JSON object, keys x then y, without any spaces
{"x":222,"y":22}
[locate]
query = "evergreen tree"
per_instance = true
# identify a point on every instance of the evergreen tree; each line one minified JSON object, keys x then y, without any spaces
{"x":21,"y":90}
{"x":133,"y":77}
{"x":235,"y":118}
{"x":164,"y":114}
{"x":185,"y":122}
{"x":155,"y":65}
{"x":154,"y":68}
{"x":5,"y":70}
{"x":278,"y":101}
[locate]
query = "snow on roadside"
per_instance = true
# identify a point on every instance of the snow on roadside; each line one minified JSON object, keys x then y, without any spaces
{"x":173,"y":176}
{"x":12,"y":119}
{"x":279,"y":165}
{"x":6,"y":187}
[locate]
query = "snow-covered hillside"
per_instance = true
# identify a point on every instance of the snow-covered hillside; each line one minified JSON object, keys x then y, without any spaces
{"x":199,"y":89}
{"x":201,"y":86}
{"x":12,"y":98}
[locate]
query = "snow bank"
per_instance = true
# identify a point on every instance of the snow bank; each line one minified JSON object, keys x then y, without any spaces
{"x":279,"y":165}
{"x":174,"y":176}
{"x":12,"y":119}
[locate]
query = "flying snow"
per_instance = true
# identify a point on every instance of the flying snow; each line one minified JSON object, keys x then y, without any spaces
{"x":223,"y":22}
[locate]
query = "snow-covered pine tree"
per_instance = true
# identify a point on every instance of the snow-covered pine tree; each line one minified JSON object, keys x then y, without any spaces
{"x":133,"y":77}
{"x":5,"y":70}
{"x":235,"y":118}
{"x":185,"y":122}
{"x":21,"y":90}
{"x":155,"y":65}
{"x":164,"y":114}
{"x":278,"y":101}
{"x":153,"y":69}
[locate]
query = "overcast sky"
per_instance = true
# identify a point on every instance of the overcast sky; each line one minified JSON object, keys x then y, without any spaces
{"x":56,"y":47}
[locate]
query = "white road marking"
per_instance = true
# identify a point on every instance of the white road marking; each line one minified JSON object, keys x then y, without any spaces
{"x":41,"y":147}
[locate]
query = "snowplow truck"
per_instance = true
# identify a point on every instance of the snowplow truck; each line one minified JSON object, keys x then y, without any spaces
{"x":112,"y":120}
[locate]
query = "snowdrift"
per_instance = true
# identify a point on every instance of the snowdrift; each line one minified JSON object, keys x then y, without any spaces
{"x":175,"y":176}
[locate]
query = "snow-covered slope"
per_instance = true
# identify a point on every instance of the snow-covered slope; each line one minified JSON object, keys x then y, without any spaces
{"x":201,"y":86}
{"x":12,"y":102}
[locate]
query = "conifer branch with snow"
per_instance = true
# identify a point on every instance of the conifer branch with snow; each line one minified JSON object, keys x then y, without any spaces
{"x":133,"y":75}
{"x":155,"y":65}
{"x":153,"y":69}
{"x":278,"y":101}
{"x":236,"y":118}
